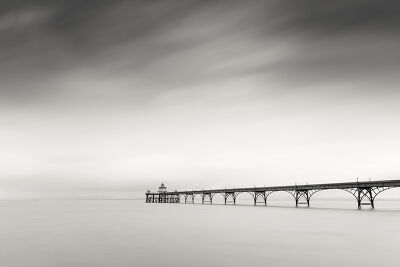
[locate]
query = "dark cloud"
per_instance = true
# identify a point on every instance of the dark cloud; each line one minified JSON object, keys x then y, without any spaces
{"x":181,"y":44}
{"x":314,"y":18}
{"x":133,"y":37}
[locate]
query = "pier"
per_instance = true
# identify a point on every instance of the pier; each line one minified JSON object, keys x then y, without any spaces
{"x":364,"y":193}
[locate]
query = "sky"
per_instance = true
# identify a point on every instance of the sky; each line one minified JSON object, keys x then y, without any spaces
{"x":113,"y":97}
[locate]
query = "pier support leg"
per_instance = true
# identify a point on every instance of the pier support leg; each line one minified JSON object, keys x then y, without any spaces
{"x":206,"y":198}
{"x":305,"y":194}
{"x":232,"y":194}
{"x":366,"y":194}
{"x":371,"y":198}
{"x":258,"y":194}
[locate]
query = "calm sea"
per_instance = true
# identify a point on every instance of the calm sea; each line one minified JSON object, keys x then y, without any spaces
{"x":58,"y":233}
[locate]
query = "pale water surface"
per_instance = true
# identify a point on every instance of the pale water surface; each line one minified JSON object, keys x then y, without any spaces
{"x":58,"y":233}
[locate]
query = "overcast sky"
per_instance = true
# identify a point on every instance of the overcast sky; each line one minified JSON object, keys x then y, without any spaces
{"x":116,"y":96}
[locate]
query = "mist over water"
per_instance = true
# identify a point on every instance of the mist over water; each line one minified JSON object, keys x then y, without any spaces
{"x":103,"y":233}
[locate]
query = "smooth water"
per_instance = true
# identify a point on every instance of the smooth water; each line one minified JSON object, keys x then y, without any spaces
{"x":57,"y":233}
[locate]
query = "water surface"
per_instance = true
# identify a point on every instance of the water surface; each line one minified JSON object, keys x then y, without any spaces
{"x":58,"y":233}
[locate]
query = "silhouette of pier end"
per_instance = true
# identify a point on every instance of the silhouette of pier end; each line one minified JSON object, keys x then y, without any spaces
{"x":364,"y":193}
